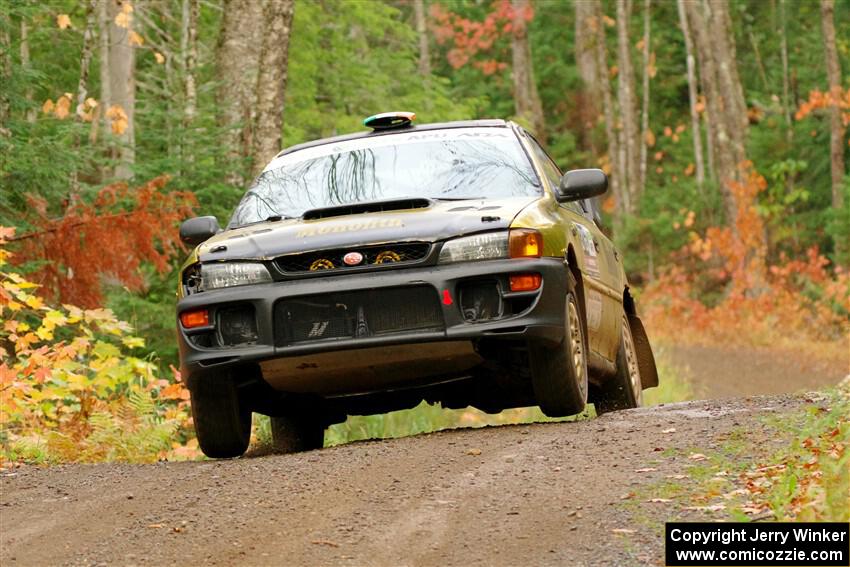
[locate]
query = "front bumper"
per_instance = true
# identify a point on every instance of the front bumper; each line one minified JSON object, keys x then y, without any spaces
{"x":542,"y":318}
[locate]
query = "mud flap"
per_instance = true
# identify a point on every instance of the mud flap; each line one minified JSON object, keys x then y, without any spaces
{"x":646,"y":360}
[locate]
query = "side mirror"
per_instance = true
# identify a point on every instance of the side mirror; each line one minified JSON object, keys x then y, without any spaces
{"x":198,"y":229}
{"x":581,"y":184}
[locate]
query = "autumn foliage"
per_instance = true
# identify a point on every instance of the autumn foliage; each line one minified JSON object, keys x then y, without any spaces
{"x":70,"y":387}
{"x":468,"y":38}
{"x":722,"y":289}
{"x":110,"y":236}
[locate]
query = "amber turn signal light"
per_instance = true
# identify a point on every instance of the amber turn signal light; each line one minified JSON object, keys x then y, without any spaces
{"x":525,"y":243}
{"x":194,"y":319}
{"x":525,"y":282}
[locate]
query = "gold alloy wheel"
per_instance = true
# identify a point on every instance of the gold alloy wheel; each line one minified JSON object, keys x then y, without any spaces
{"x":631,"y":362}
{"x":576,"y":346}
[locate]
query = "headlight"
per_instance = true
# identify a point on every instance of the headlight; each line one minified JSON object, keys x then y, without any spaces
{"x":229,"y":274}
{"x":478,"y":247}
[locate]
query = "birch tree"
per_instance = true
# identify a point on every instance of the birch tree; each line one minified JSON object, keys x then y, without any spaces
{"x":629,"y":149}
{"x":693,"y":98}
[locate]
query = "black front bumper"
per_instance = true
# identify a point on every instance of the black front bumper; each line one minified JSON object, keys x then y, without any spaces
{"x":542,"y":317}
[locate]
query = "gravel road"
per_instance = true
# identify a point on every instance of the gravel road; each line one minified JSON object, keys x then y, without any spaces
{"x":543,"y":494}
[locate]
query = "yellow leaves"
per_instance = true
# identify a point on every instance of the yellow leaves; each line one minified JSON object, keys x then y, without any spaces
{"x":650,"y":138}
{"x":160,"y":58}
{"x":34,"y":302}
{"x":136,"y":39}
{"x":125,"y":17}
{"x":118,"y":119}
{"x":63,"y":21}
{"x":689,"y":170}
{"x":133,"y":342}
{"x":609,"y":21}
{"x":48,"y":106}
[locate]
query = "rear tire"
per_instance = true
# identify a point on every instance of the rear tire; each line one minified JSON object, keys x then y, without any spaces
{"x":559,"y":374}
{"x":297,"y":432}
{"x":222,"y":420}
{"x":624,"y":390}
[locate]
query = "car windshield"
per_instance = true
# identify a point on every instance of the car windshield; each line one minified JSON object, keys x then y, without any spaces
{"x":461,"y":163}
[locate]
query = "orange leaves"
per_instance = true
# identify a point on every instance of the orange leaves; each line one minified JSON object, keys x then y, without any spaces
{"x":792,"y":302}
{"x":118,"y":119}
{"x":160,"y":58}
{"x":63,"y":21}
{"x":135,"y":39}
{"x":140,"y":225}
{"x":819,"y":100}
{"x":469,"y":37}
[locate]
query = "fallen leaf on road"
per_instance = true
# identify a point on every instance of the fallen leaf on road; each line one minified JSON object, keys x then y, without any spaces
{"x":659,"y":500}
{"x":627,"y":496}
{"x":324,"y":542}
{"x":647,"y":469}
{"x":473,"y":452}
{"x":156,"y":526}
{"x":671,"y":430}
{"x":697,"y":457}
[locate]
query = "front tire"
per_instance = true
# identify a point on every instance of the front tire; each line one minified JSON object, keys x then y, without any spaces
{"x":559,"y":375}
{"x":222,"y":420}
{"x":624,"y":390}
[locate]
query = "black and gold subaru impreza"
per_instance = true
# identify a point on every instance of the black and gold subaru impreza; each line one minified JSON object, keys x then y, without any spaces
{"x":452,"y":263}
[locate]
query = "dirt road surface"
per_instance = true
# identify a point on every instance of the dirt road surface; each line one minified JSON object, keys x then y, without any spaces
{"x":543,"y":494}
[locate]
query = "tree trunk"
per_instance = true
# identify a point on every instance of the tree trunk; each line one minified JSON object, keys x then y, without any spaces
{"x":692,"y":95}
{"x":422,"y":32}
{"x":25,"y":65}
{"x":85,"y":56}
{"x":586,"y":22}
{"x":526,"y":99}
{"x":630,"y":148}
{"x":617,"y":174}
{"x":190,"y":58}
{"x":786,"y":101}
{"x":5,"y":69}
{"x":238,"y":57}
{"x":271,"y":83}
{"x":122,"y":86}
{"x":644,"y":125}
{"x":836,"y":128}
{"x":726,"y":112}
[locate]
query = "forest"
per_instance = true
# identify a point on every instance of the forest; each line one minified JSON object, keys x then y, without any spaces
{"x":722,"y":124}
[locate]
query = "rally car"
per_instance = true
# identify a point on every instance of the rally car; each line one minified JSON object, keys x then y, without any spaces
{"x":452,"y":263}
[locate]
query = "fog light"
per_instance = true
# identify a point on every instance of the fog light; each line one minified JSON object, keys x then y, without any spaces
{"x":525,"y":243}
{"x":237,"y":326}
{"x":196,"y":318}
{"x":525,"y":282}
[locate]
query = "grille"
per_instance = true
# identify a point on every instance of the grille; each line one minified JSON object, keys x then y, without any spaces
{"x":357,"y":314}
{"x":375,"y":255}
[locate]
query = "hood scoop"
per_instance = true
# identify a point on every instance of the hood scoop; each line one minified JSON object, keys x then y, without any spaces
{"x":368,"y":207}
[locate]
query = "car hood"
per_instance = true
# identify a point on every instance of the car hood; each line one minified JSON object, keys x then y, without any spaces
{"x":439,"y":221}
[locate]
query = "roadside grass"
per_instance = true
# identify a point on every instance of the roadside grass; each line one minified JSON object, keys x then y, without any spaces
{"x":674,"y":386}
{"x":796,"y":469}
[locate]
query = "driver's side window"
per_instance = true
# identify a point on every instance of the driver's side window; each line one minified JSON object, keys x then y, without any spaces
{"x":552,"y":173}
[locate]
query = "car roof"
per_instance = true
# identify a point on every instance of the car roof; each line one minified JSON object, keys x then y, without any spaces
{"x":492,"y":123}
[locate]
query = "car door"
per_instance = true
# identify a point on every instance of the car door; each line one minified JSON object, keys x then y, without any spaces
{"x":601,"y":271}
